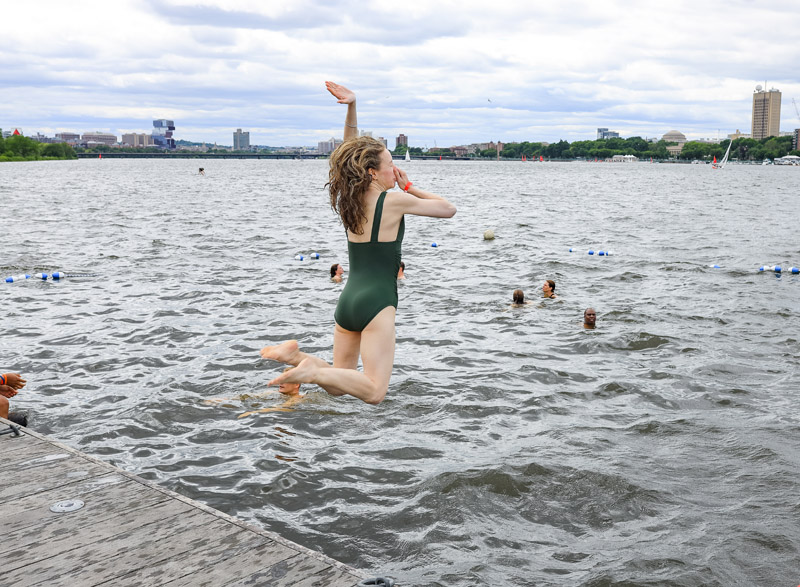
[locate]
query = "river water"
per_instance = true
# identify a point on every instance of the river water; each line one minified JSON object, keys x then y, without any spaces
{"x":514,"y":447}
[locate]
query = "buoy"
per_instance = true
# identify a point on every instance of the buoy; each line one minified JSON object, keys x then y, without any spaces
{"x":13,"y":278}
{"x":715,"y":266}
{"x":592,"y":252}
{"x":779,"y":269}
{"x":45,"y":276}
{"x":488,"y":235}
{"x":299,"y":257}
{"x":434,"y":245}
{"x":314,"y":255}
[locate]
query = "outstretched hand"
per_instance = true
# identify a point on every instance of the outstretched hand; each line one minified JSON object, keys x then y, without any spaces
{"x":343,"y":95}
{"x":7,"y":391}
{"x":14,"y":380}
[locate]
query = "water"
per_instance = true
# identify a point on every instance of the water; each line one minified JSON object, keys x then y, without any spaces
{"x":514,"y":447}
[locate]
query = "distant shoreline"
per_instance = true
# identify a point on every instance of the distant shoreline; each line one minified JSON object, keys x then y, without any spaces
{"x":190,"y":155}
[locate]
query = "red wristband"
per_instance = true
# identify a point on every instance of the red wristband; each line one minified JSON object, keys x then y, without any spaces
{"x":408,"y":186}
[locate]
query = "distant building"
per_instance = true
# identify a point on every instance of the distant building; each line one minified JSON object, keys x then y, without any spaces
{"x":624,"y":159}
{"x":604,"y":133}
{"x":366,"y":133}
{"x":796,"y":139}
{"x":137,"y":140}
{"x":498,"y":146}
{"x":738,"y":135}
{"x":329,"y":146}
{"x":401,"y":140}
{"x":12,"y":133}
{"x":460,"y":151}
{"x":241,"y":140}
{"x":766,"y":113}
{"x":384,"y":141}
{"x":68,"y":137}
{"x":99,"y":138}
{"x":674,"y":136}
{"x":162,"y":133}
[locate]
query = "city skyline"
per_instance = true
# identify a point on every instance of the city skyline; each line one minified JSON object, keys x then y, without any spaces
{"x":444,"y":73}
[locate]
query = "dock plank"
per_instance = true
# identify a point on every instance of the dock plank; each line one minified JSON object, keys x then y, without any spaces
{"x":236,"y":567}
{"x":43,"y":542}
{"x":20,"y":448}
{"x":197,"y":562}
{"x":284,"y":574}
{"x":102,"y":500}
{"x":45,"y":477}
{"x":131,"y":531}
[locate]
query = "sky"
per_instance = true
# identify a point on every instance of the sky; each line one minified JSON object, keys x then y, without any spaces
{"x":441,"y":72}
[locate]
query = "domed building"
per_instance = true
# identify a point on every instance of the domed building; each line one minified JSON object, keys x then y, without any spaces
{"x":674,"y":136}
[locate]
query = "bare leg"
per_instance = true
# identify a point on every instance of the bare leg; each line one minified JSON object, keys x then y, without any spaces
{"x":376,"y":345}
{"x":3,"y":407}
{"x":290,"y":353}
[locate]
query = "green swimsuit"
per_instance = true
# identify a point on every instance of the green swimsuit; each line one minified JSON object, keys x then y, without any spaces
{"x":372,"y":284}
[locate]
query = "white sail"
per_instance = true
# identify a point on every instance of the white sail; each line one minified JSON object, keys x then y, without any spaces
{"x":722,"y":163}
{"x":408,"y":155}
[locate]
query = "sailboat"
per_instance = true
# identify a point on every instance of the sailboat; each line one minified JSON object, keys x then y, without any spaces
{"x":408,"y":155}
{"x":721,"y":164}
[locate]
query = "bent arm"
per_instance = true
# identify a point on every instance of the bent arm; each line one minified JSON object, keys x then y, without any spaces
{"x":422,"y":203}
{"x":346,"y":96}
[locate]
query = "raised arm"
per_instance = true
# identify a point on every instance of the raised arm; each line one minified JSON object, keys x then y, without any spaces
{"x":345,"y":96}
{"x":420,"y":202}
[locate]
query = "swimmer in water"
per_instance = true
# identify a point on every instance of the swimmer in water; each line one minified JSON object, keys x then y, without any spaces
{"x":549,"y":289}
{"x":589,"y":318}
{"x":360,"y":177}
{"x":336,"y":272}
{"x":519,"y":298}
{"x":202,"y":171}
{"x":290,"y":390}
{"x":401,"y":273}
{"x":293,"y":397}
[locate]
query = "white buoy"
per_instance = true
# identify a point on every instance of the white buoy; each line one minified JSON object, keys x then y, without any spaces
{"x":488,"y":235}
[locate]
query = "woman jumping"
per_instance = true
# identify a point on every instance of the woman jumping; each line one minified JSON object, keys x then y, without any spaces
{"x":361,"y":173}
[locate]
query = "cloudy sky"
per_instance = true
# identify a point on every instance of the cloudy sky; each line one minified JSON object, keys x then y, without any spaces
{"x":442,"y":72}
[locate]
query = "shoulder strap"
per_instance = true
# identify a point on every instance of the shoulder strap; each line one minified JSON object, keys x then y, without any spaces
{"x":376,"y":221}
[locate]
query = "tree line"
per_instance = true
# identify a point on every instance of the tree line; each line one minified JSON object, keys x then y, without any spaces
{"x":19,"y":148}
{"x":743,"y":149}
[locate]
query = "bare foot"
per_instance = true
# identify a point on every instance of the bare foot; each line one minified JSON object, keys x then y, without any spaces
{"x":303,"y":373}
{"x":286,"y":352}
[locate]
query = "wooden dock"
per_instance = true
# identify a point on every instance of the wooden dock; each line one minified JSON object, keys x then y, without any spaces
{"x":131,"y":531}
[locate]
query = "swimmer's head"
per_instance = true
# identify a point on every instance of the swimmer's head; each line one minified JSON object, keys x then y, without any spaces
{"x":354,"y":166}
{"x":549,"y":287}
{"x":519,"y":296}
{"x":289,"y":388}
{"x":336,"y":269}
{"x":589,"y":317}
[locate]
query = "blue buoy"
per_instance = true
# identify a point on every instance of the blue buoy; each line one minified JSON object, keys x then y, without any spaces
{"x":715,"y":266}
{"x":592,"y":252}
{"x":777,"y":268}
{"x":314,"y":255}
{"x":299,"y":257}
{"x":13,"y":278}
{"x":434,"y":245}
{"x":794,"y":270}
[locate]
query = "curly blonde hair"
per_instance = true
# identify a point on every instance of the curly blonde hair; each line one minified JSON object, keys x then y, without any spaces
{"x":349,"y":178}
